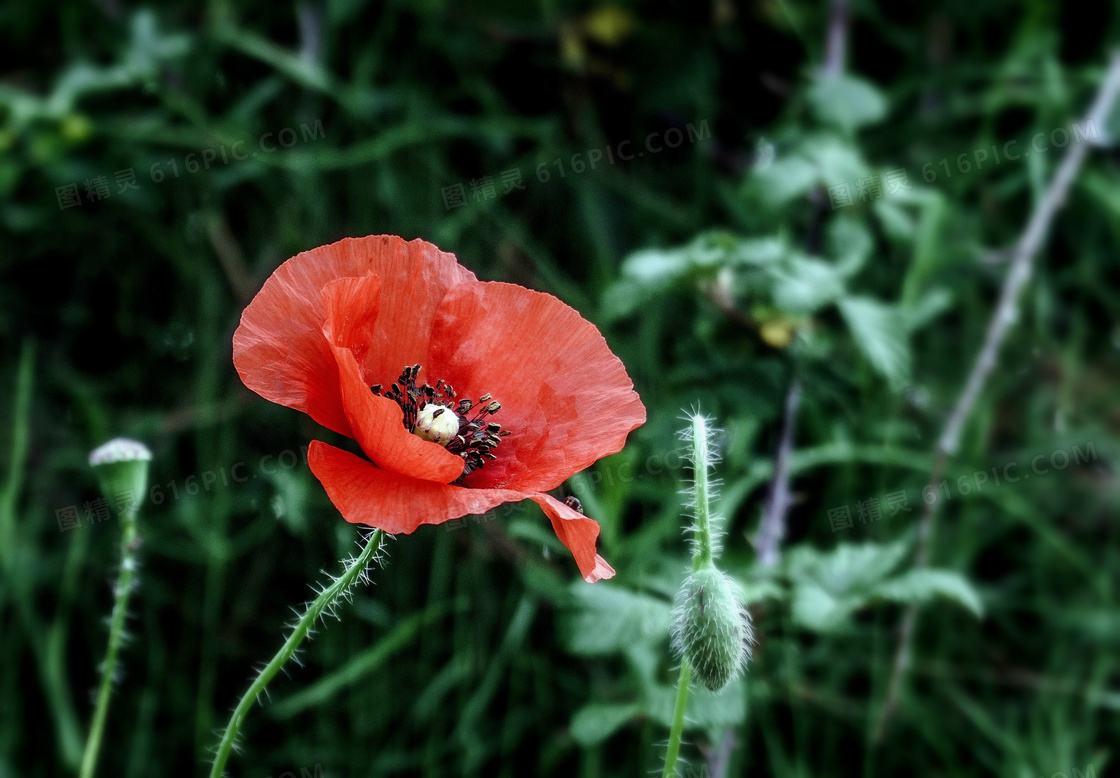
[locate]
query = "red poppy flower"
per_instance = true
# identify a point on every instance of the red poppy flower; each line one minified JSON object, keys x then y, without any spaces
{"x":464,"y":394}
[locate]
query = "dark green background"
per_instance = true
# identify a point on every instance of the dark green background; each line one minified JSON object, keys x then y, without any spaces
{"x":121,"y":309}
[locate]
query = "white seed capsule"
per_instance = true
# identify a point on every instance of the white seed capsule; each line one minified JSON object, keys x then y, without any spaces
{"x":437,"y":424}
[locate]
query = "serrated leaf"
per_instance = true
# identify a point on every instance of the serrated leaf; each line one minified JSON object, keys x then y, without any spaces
{"x":596,"y":722}
{"x":880,"y":332}
{"x":803,"y":285}
{"x":847,"y":569}
{"x":921,"y":585}
{"x":606,"y":619}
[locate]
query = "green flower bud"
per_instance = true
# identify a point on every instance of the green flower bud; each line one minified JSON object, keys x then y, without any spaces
{"x":121,"y":466}
{"x":711,"y":627}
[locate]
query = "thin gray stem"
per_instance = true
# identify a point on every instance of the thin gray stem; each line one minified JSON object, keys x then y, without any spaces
{"x":836,"y":45}
{"x":772,"y":530}
{"x":1005,"y":314}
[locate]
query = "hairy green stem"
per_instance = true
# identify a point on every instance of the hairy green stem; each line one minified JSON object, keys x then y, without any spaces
{"x":325,"y":600}
{"x":677,"y":729}
{"x":700,"y":460}
{"x":121,"y":592}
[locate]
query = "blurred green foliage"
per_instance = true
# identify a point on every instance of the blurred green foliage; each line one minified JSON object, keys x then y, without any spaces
{"x":207,"y":143}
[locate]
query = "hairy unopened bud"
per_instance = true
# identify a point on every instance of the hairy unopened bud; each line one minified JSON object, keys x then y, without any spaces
{"x":711,"y":628}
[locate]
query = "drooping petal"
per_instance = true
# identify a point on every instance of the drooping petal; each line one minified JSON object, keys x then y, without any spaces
{"x":566,"y":399}
{"x":279,"y":349}
{"x":365,"y":494}
{"x":377,"y":423}
{"x":396,"y":503}
{"x":579,"y":534}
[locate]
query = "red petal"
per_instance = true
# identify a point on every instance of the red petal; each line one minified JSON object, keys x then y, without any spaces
{"x":565,"y":397}
{"x":279,"y":349}
{"x":377,"y":423}
{"x":365,"y":494}
{"x":579,"y":534}
{"x":351,"y":307}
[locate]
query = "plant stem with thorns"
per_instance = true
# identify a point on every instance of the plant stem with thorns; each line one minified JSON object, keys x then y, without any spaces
{"x":326,"y":600}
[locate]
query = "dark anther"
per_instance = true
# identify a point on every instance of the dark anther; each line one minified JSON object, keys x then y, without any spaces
{"x":573,"y":503}
{"x":476,"y":439}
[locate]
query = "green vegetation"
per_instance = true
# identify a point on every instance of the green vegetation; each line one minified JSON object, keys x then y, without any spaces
{"x":807,"y":247}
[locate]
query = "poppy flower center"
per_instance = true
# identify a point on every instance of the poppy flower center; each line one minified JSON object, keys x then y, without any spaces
{"x":434,"y":414}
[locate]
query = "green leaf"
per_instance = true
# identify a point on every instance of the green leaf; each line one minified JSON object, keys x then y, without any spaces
{"x":817,"y":609}
{"x":757,"y":252}
{"x":880,"y":332}
{"x":922,"y":585}
{"x":785,"y":179}
{"x":596,"y":722}
{"x":849,"y":242}
{"x":803,"y":285}
{"x":837,"y":161}
{"x":846,"y":101}
{"x":829,"y":587}
{"x":929,"y":307}
{"x":895,"y":220}
{"x":757,"y":591}
{"x":606,"y":619}
{"x":847,"y":569}
{"x":648,"y":273}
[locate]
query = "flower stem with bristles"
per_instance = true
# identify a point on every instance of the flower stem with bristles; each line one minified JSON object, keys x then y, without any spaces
{"x":702,"y":556}
{"x":121,"y":592}
{"x":710,"y":625}
{"x":701,"y":490}
{"x":326,"y":600}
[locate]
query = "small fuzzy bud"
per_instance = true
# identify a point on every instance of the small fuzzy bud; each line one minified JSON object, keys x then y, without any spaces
{"x":711,"y":627}
{"x":121,"y":466}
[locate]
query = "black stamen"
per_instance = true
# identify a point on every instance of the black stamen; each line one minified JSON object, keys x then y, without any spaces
{"x":476,"y":439}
